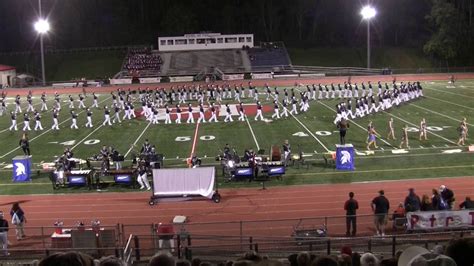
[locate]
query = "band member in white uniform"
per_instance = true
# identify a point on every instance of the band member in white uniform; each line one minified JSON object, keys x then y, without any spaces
{"x":14,"y":125}
{"x":213,"y":114}
{"x":71,"y":102}
{"x":74,"y":120}
{"x":276,"y":110}
{"x":38,"y":121}
{"x":81,"y":101}
{"x":95,"y":103}
{"x":17,"y":104}
{"x":89,"y":118}
{"x":167,"y":115}
{"x":178,"y":115}
{"x":190,"y":114}
{"x":44,"y":107}
{"x":241,"y":112}
{"x":55,"y":120}
{"x":26,"y":123}
{"x":201,"y":118}
{"x":259,"y":112}
{"x":106,"y":116}
{"x":285,"y":109}
{"x":228,"y":116}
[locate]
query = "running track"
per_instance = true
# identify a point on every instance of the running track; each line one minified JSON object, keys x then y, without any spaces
{"x":276,"y":203}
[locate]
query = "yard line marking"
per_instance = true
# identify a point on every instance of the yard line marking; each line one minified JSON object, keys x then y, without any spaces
{"x":401,"y":119}
{"x":86,"y":137}
{"x":434,"y":112}
{"x":193,"y":148}
{"x":17,"y":148}
{"x":457,"y":94}
{"x":136,"y":141}
{"x":253,"y":134}
{"x":364,"y":129}
{"x":460,"y":105}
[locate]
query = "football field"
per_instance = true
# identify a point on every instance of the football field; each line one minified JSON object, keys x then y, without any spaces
{"x":313,"y":133}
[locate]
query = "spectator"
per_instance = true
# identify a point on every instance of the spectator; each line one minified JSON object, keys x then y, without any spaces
{"x":111,"y":261}
{"x":369,"y":259}
{"x":325,"y":261}
{"x":351,"y":207}
{"x":4,"y":234}
{"x":467,"y":204}
{"x":461,"y":251}
{"x":426,"y":204}
{"x":412,"y":201}
{"x":435,"y":200}
{"x":19,"y":220}
{"x":162,"y":259}
{"x":416,"y":255}
{"x":71,"y":258}
{"x":303,"y":259}
{"x":389,"y":262}
{"x":355,"y":259}
{"x":380,"y":206}
{"x":398,"y":216}
{"x":447,"y":195}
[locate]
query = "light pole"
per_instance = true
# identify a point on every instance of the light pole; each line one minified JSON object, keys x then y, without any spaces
{"x":42,"y":27}
{"x":367,"y":14}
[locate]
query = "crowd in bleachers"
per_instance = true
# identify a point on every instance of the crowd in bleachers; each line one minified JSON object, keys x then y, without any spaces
{"x":456,"y":252}
{"x":142,"y":59}
{"x":269,"y":54}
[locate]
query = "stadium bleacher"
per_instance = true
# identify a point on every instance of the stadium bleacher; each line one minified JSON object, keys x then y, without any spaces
{"x":268,"y":55}
{"x":138,"y":59}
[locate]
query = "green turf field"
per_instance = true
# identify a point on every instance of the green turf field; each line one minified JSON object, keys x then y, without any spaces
{"x":313,"y":133}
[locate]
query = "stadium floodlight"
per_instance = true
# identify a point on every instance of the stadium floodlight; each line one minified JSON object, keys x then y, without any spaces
{"x":367,"y":13}
{"x":42,"y":26}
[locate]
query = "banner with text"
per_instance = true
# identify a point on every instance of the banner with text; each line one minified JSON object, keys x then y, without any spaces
{"x":262,"y":75}
{"x":436,"y":220}
{"x":233,"y":77}
{"x":120,"y":81}
{"x":150,"y":80}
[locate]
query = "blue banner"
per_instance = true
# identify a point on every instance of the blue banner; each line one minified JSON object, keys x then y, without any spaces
{"x":345,"y":157}
{"x":21,"y":169}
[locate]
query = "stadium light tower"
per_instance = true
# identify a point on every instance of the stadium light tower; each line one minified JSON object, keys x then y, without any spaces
{"x":367,"y":13}
{"x":42,"y":27}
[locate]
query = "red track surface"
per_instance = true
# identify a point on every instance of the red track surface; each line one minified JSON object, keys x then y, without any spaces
{"x":276,"y":203}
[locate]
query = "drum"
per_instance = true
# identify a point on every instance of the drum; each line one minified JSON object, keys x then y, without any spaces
{"x":275,"y":154}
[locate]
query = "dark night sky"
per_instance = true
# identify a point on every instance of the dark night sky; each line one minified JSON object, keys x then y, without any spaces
{"x":89,"y":23}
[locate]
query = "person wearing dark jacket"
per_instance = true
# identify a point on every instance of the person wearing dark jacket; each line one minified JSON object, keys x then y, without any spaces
{"x":412,"y":201}
{"x":25,"y":144}
{"x":426,"y":204}
{"x":447,"y":195}
{"x":4,"y":234}
{"x":351,"y":207}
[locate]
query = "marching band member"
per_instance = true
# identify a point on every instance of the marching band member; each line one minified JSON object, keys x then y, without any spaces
{"x":155,"y":115}
{"x":74,"y":120}
{"x":44,"y":107}
{"x":178,"y":115}
{"x":285,"y":109}
{"x":106,"y":116}
{"x":241,"y":112}
{"x":167,"y":115}
{"x":190,"y":115}
{"x":13,"y":119}
{"x":294,"y":102}
{"x":30,"y":104}
{"x":81,"y":101}
{"x":276,"y":110}
{"x":38,"y":121}
{"x":55,"y":120}
{"x":142,"y":178}
{"x":71,"y":102}
{"x":57,"y":101}
{"x":372,"y":138}
{"x":259,"y":112}
{"x":26,"y":122}
{"x":228,"y":116}
{"x":213,"y":114}
{"x":89,"y":118}
{"x":116,"y":114}
{"x":17,"y":104}
{"x":95,"y":103}
{"x":201,"y":114}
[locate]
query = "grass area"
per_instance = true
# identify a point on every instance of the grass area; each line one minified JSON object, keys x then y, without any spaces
{"x":392,"y":57}
{"x":67,"y":66}
{"x":443,"y":108}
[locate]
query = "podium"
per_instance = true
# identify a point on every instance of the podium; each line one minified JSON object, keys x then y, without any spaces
{"x":345,"y":157}
{"x":21,"y":169}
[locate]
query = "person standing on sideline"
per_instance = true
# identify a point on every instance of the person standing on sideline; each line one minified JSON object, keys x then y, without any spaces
{"x":351,"y":207}
{"x":19,"y":220}
{"x":25,"y":144}
{"x":4,"y":234}
{"x":412,"y":201}
{"x":380,"y":206}
{"x":343,"y":125}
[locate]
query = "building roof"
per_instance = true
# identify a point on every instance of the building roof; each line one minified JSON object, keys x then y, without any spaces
{"x":5,"y":68}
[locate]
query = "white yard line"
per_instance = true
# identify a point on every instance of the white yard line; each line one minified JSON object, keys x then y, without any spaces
{"x":361,"y":127}
{"x":193,"y":148}
{"x":311,"y":133}
{"x":440,"y":114}
{"x":31,"y":140}
{"x":86,"y":137}
{"x":407,"y":122}
{"x":460,"y":105}
{"x":136,"y":141}
{"x":448,"y":92}
{"x":253,"y":134}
